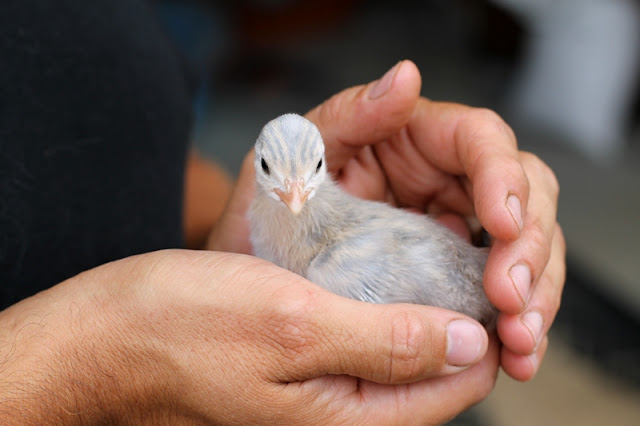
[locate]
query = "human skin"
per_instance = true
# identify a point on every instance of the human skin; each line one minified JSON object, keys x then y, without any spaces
{"x":191,"y":337}
{"x":207,"y":337}
{"x":207,"y":190}
{"x":385,"y":142}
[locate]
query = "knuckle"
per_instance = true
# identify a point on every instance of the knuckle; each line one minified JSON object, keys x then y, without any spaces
{"x":538,"y":240}
{"x":561,"y":241}
{"x":331,"y":110}
{"x":552,"y":182}
{"x":534,"y":164}
{"x":289,"y":324}
{"x":548,"y":293}
{"x":558,"y":274}
{"x":549,"y":300}
{"x":407,"y":354}
{"x":484,"y":115}
{"x":487,"y":121}
{"x":482,"y":132}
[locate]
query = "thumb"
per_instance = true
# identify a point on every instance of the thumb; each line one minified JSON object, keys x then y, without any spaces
{"x":388,"y":344}
{"x":349,"y":120}
{"x":363,"y":115}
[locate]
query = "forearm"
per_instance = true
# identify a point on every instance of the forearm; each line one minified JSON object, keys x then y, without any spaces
{"x":64,"y":360}
{"x":37,"y":378}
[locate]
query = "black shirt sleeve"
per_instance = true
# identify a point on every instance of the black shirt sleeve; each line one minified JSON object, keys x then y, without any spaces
{"x":95,"y":115}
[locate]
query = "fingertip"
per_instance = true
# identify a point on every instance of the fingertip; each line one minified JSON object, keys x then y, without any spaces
{"x":521,"y":334}
{"x":467,"y":342}
{"x":507,"y":285}
{"x":501,"y":202}
{"x":520,"y":275}
{"x":523,"y":367}
{"x":515,"y":209}
{"x":488,"y":153}
{"x":368,"y":113}
{"x":408,"y":79}
{"x":380,"y":87}
{"x":390,"y":100}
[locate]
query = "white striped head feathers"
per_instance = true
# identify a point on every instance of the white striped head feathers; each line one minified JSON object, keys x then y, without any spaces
{"x":289,"y":160}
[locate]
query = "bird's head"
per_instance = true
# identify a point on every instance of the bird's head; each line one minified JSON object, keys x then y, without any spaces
{"x":289,"y":160}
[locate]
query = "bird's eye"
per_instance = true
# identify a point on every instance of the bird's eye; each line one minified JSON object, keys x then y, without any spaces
{"x":319,"y":165}
{"x":265,"y":168}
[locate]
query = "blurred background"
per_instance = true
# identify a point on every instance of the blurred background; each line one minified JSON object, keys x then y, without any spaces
{"x":563,"y":73}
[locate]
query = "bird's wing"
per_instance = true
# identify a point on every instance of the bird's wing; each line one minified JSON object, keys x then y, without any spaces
{"x":388,"y":257}
{"x":399,"y":257}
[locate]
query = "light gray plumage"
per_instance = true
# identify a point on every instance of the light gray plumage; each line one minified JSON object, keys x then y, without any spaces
{"x":303,"y":221}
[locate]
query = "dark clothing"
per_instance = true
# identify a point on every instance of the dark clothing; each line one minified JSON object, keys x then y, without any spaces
{"x":95,"y":115}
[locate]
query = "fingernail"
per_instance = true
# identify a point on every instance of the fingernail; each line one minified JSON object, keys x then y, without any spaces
{"x":515,"y":208}
{"x":383,"y":85}
{"x":521,"y":277}
{"x":534,"y":322}
{"x":535,"y":363}
{"x":465,"y":342}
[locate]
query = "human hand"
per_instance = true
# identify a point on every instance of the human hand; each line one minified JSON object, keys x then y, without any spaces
{"x":384,"y":142}
{"x":449,"y":158}
{"x":198,"y":336}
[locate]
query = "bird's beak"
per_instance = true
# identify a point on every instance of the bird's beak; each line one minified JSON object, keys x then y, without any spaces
{"x":294,"y":195}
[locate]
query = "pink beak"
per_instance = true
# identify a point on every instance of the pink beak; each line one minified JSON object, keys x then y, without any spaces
{"x":293,"y":196}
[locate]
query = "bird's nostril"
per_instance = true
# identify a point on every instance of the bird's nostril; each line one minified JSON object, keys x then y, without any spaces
{"x":289,"y":184}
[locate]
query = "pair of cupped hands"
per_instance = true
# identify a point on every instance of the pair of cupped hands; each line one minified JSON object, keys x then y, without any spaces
{"x":345,"y":358}
{"x":229,"y":338}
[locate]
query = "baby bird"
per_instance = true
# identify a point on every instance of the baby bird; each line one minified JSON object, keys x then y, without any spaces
{"x":303,"y":221}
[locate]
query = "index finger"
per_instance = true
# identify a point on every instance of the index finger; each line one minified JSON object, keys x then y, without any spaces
{"x":477,"y":144}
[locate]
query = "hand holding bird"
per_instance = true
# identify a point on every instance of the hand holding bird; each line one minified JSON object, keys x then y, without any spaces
{"x":385,"y":142}
{"x":303,"y":221}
